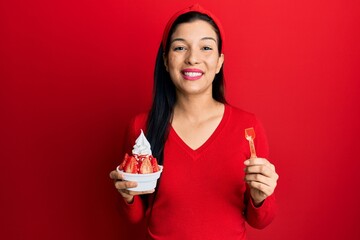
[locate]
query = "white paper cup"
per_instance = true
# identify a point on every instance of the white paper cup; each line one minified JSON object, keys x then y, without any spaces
{"x":145,"y":182}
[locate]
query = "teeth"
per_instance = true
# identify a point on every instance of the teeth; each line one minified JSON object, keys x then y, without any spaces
{"x":192,"y":74}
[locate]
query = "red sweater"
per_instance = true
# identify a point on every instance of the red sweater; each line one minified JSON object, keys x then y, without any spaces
{"x":202,"y":193}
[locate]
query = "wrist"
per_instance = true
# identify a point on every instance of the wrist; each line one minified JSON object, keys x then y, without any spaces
{"x":129,"y":200}
{"x":257,"y":203}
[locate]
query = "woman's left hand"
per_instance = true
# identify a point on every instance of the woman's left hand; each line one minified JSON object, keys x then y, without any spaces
{"x":262,"y":178}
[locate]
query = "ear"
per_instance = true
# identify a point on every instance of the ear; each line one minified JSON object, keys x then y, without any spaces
{"x":220,"y":63}
{"x":165,"y":62}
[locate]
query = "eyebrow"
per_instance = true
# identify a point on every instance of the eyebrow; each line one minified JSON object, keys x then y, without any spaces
{"x":183,"y":40}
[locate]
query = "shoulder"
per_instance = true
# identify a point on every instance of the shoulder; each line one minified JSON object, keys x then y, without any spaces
{"x":135,"y":125}
{"x":238,"y":114}
{"x":138,"y":122}
{"x":140,"y":119}
{"x":240,"y":119}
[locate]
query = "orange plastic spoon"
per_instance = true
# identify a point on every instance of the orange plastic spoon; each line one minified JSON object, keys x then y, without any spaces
{"x":250,"y":136}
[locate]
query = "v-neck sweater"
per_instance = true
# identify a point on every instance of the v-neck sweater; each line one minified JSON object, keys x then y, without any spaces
{"x":201,"y":193}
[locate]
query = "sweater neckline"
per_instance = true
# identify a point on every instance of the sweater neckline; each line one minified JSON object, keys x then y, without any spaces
{"x":207,"y":143}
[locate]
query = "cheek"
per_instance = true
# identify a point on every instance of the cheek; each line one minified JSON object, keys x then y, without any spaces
{"x":173,"y":61}
{"x":214,"y":65}
{"x":173,"y":68}
{"x":218,"y":64}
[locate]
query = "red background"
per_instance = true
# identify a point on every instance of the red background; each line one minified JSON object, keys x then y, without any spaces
{"x":73,"y":73}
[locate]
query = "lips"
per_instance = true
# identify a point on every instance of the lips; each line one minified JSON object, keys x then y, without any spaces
{"x":192,"y":73}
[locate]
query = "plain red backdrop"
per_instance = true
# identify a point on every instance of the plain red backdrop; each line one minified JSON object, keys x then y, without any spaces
{"x":73,"y":73}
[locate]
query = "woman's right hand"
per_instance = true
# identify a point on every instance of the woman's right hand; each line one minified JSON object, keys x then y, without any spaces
{"x":122,"y":186}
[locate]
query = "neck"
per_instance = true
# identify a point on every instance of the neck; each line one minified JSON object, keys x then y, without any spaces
{"x":196,"y":108}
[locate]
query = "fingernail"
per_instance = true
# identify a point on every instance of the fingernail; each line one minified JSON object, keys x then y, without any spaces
{"x":247,"y":162}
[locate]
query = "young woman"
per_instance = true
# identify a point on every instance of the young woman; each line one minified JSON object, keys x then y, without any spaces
{"x":210,"y":186}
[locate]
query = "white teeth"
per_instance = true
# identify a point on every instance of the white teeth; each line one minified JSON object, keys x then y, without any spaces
{"x":192,"y":74}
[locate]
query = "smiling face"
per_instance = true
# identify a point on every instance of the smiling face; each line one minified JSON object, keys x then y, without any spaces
{"x":193,"y":58}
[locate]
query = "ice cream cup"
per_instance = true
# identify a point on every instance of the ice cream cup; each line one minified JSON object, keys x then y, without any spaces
{"x":145,"y":182}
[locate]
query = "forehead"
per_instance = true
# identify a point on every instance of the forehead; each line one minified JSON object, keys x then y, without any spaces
{"x":196,"y":29}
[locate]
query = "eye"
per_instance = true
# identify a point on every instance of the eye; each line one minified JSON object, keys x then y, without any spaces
{"x":207,"y":48}
{"x":179,"y":48}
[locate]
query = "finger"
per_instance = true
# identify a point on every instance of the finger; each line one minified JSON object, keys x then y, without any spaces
{"x":115,"y":175}
{"x":125,"y":185}
{"x":126,"y":193}
{"x":272,"y":166}
{"x":267,"y":190}
{"x":260,"y":169}
{"x":256,"y":161}
{"x":141,"y":192}
{"x":259,"y":178}
{"x":112,"y":174}
{"x":266,"y":171}
{"x":259,"y":161}
{"x":271,"y":182}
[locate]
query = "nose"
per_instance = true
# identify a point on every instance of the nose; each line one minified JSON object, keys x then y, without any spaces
{"x":192,"y":57}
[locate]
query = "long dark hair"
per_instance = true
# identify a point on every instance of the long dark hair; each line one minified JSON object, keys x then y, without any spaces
{"x":164,"y":93}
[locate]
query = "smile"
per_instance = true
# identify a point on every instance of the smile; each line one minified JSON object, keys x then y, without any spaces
{"x":192,"y":74}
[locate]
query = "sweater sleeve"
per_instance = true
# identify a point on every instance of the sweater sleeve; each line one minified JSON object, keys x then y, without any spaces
{"x":134,"y":211}
{"x":260,"y":217}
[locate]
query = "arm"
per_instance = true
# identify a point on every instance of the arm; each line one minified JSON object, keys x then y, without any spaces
{"x":261,"y":179}
{"x":131,"y":202}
